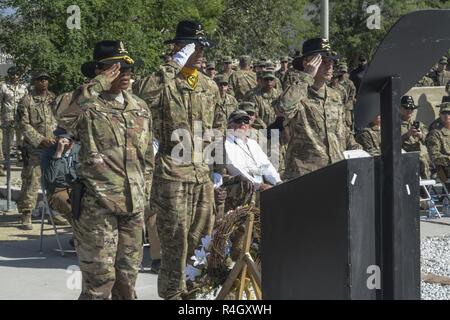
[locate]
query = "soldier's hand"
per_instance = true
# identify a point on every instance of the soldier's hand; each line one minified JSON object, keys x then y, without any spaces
{"x":264,"y":187}
{"x":313,"y":65}
{"x":220,"y":195}
{"x":47,"y":142}
{"x":112,"y":72}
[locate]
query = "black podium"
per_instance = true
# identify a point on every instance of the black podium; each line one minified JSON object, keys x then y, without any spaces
{"x":321,"y":232}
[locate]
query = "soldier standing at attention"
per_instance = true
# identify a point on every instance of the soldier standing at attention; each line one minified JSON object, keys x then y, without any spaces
{"x":226,"y":105}
{"x":11,"y":92}
{"x":281,"y":73}
{"x":314,"y":114}
{"x":263,"y":97}
{"x":116,"y":159}
{"x":441,"y":76}
{"x":182,"y":98}
{"x":227,"y":66}
{"x":37,"y":123}
{"x":243,"y":80}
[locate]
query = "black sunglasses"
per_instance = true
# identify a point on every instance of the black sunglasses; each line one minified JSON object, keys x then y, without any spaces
{"x":250,"y":113}
{"x":242,"y":120}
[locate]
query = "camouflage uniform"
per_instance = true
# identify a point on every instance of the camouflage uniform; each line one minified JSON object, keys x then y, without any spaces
{"x":413,"y":144}
{"x":316,"y":123}
{"x":241,"y":82}
{"x":37,"y":122}
{"x":349,"y":102}
{"x":292,"y":76}
{"x":370,"y":139}
{"x":184,"y":198}
{"x":222,"y":111}
{"x":10,"y":96}
{"x":440,"y":78}
{"x":116,"y":164}
{"x":425,"y":82}
{"x":263,"y":103}
{"x":438,"y":143}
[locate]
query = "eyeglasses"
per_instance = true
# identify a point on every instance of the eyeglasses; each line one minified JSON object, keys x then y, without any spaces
{"x":242,"y":120}
{"x":444,"y":113}
{"x":250,"y":113}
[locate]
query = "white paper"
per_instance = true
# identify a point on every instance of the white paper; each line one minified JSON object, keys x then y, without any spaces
{"x":354,"y":154}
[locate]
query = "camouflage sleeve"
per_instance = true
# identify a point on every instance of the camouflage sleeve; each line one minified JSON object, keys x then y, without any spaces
{"x":290,"y":101}
{"x":434,"y":150}
{"x":151,"y":90}
{"x":28,"y":131}
{"x":149,"y":160}
{"x":231,"y":85}
{"x":424,"y":130}
{"x":366,"y":141}
{"x":70,"y":108}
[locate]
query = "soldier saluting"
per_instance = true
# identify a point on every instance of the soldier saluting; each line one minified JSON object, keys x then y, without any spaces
{"x":183,"y":201}
{"x":116,"y":159}
{"x":314,"y":114}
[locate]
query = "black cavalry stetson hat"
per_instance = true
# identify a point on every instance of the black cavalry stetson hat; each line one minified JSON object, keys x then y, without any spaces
{"x":313,"y":46}
{"x":191,"y":31}
{"x":407,"y":102}
{"x":107,"y":52}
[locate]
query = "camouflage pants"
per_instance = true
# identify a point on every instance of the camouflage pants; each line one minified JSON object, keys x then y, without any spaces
{"x":109,"y":249}
{"x":240,"y":192}
{"x":424,"y":166}
{"x":153,"y":238}
{"x":184,"y":214}
{"x":31,"y":182}
{"x":11,"y":132}
{"x":58,"y":201}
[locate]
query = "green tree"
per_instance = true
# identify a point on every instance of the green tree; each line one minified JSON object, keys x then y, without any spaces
{"x":36,"y":34}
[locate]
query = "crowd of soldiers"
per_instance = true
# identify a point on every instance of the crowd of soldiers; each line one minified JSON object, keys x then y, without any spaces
{"x":127,"y":175}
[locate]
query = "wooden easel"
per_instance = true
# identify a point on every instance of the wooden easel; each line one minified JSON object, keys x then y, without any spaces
{"x":244,"y":268}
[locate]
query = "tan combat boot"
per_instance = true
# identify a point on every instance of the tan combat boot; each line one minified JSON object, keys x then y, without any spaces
{"x":26,"y":221}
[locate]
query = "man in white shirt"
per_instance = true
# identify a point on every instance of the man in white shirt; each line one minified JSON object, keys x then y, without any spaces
{"x":245,"y":157}
{"x":246,"y":168}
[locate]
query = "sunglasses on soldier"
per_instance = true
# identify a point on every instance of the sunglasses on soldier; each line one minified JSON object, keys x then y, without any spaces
{"x":242,"y":120}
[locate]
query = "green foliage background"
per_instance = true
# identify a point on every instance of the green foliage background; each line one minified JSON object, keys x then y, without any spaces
{"x":36,"y":35}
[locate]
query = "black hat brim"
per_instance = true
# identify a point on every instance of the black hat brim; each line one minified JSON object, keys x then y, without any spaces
{"x":88,"y":68}
{"x":205,"y":42}
{"x":297,"y":63}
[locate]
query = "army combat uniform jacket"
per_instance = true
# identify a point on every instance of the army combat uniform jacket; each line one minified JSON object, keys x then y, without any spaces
{"x":222,"y":111}
{"x":438,"y":143}
{"x":116,"y":156}
{"x":36,"y":120}
{"x":315,"y":119}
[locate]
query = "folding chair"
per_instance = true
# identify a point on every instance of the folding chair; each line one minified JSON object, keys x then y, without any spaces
{"x":425,"y":185}
{"x":46,"y":210}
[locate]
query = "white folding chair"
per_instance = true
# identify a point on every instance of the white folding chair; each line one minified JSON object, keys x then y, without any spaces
{"x":426,"y":185}
{"x":46,"y":210}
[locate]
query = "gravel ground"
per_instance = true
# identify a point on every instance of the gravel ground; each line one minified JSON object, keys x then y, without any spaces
{"x":435,"y":260}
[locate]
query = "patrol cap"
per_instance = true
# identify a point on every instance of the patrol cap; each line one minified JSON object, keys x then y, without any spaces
{"x":444,"y":107}
{"x":221,"y":79}
{"x":247,"y":106}
{"x":245,"y":59}
{"x":445,"y":99}
{"x":210,"y":65}
{"x":39,"y":74}
{"x":227,"y":59}
{"x":443,"y":60}
{"x":343,"y":68}
{"x":268,"y":74}
{"x":61,"y":132}
{"x":12,"y":70}
{"x":270,"y":66}
{"x":238,"y":114}
{"x":407,"y":102}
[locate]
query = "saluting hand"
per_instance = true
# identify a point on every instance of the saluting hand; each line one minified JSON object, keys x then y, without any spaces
{"x":112,"y":72}
{"x":313,"y":65}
